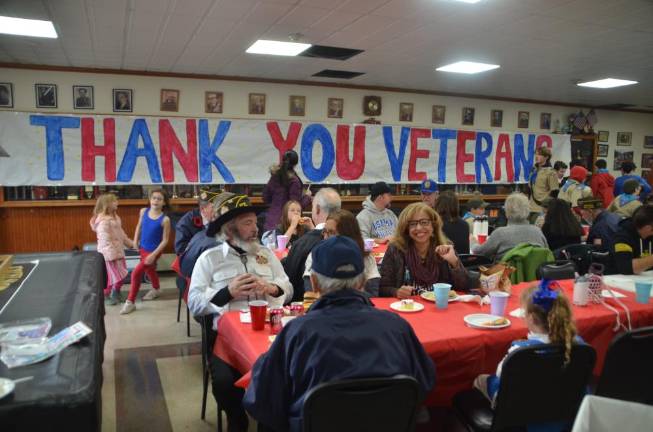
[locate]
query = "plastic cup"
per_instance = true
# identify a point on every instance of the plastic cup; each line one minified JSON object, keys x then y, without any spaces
{"x":643,"y":292}
{"x":586,"y":230}
{"x":482,"y":238}
{"x":498,"y":302}
{"x":282,"y":242}
{"x":369,"y":244}
{"x":441,"y":291}
{"x":257,"y":310}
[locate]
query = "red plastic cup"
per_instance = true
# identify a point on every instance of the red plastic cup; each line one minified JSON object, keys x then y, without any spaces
{"x":257,"y":310}
{"x":586,"y":230}
{"x":482,"y":238}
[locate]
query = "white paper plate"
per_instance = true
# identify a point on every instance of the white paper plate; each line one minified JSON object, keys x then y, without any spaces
{"x":430,"y":296}
{"x":6,"y":387}
{"x":398,"y":306}
{"x":482,"y":320}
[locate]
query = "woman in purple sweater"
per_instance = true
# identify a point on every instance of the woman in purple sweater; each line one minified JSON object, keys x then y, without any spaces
{"x":284,"y":185}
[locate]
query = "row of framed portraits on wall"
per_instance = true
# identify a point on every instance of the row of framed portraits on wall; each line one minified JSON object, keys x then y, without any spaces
{"x":624,"y":139}
{"x":623,"y":156}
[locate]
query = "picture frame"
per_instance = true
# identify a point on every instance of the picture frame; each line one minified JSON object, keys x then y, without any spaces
{"x":123,"y":100}
{"x":335,"y":107}
{"x":523,"y":118}
{"x":624,"y":138}
{"x":620,"y":157}
{"x":6,"y":95}
{"x":438,"y":113}
{"x":647,"y":161}
{"x":372,"y":106}
{"x":46,"y":95}
{"x":83,"y":97}
{"x":468,"y":116}
{"x":545,"y":121}
{"x":646,"y":173}
{"x":169,"y":100}
{"x":496,"y":118}
{"x":648,"y":141}
{"x":213,"y":102}
{"x":297,"y":106}
{"x":604,"y":136}
{"x":602,"y":150}
{"x":406,"y":111}
{"x":256,"y":104}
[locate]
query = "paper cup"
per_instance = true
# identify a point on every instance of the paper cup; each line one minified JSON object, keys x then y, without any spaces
{"x":498,"y":302}
{"x":586,"y":230}
{"x":257,"y":310}
{"x":369,"y":245}
{"x":441,"y":291}
{"x":643,"y":292}
{"x":282,"y":242}
{"x":482,"y":238}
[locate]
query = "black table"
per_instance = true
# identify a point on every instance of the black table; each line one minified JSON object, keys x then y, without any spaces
{"x":65,"y":393}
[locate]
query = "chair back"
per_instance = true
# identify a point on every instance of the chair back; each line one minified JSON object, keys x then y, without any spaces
{"x":526,"y":259}
{"x":536,"y":387}
{"x":580,"y":254}
{"x":558,"y":270}
{"x":473,"y":261}
{"x":628,"y":369}
{"x":374,"y":404}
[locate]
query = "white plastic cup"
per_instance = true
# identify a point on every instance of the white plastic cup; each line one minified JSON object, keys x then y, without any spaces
{"x":581,"y":293}
{"x":369,"y":244}
{"x":498,"y":302}
{"x":282,"y":242}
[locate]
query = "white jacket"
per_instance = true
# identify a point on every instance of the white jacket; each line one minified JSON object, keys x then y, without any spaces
{"x":216,"y":267}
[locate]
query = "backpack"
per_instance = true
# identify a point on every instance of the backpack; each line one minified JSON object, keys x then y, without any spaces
{"x":295,"y":263}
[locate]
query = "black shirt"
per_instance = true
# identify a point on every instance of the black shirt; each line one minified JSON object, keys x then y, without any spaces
{"x":628,"y":245}
{"x":458,"y":232}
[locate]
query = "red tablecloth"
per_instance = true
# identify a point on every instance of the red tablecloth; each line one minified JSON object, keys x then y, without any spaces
{"x":459,"y":352}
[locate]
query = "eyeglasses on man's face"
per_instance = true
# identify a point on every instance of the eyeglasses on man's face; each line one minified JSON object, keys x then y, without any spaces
{"x":422,"y":223}
{"x":326,"y":233}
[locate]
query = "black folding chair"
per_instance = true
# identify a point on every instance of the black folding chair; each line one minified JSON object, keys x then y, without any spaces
{"x":536,"y":388}
{"x":580,"y":254}
{"x":181,"y":287}
{"x":369,"y":404}
{"x":473,"y":261}
{"x":207,"y":348}
{"x":628,"y":369}
{"x":558,"y":270}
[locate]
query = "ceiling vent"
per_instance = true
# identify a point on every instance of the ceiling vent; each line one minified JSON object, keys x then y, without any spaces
{"x":330,"y":73}
{"x":331,"y":53}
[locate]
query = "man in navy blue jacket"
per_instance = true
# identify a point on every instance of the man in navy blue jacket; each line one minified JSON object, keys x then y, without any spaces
{"x":341,"y":337}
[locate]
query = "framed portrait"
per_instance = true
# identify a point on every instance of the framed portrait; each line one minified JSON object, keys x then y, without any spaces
{"x":437,"y":114}
{"x":468,"y":116}
{"x":256,"y":103}
{"x":648,"y":142}
{"x":213,"y":102}
{"x":602,"y":150}
{"x":297,"y":106}
{"x":169,"y":100}
{"x":83,"y":97}
{"x":496,"y":118}
{"x":406,"y":111}
{"x":372,"y":105}
{"x":647,"y":160}
{"x":603,"y":136}
{"x":545,"y":121}
{"x":522,"y":119}
{"x":620,"y":157}
{"x":46,"y":95}
{"x":335,"y":107}
{"x":646,"y":173}
{"x":122,"y":100}
{"x":624,"y":138}
{"x":6,"y":95}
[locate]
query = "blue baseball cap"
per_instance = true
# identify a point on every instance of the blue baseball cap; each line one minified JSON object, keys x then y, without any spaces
{"x":338,"y":257}
{"x":428,"y":186}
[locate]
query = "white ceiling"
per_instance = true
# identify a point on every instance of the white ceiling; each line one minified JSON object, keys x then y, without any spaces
{"x":543,"y":46}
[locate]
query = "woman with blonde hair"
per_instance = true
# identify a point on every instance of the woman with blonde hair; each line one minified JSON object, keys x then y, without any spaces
{"x":419,"y":255}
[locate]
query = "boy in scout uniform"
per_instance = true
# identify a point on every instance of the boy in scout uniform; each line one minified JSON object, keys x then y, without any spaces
{"x":543,"y":181}
{"x":633,"y":243}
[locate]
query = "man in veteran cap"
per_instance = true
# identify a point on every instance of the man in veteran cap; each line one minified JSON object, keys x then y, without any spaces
{"x":195,"y":220}
{"x":429,"y":192}
{"x":604,"y":223}
{"x":224,"y":279}
{"x":343,"y":336}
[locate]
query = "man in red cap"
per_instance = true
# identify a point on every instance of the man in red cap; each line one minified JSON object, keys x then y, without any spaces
{"x":575,"y":187}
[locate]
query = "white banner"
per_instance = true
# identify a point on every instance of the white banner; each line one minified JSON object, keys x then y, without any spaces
{"x":42,"y":149}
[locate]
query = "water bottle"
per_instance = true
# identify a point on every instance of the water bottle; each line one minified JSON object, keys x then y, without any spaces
{"x":581,"y":291}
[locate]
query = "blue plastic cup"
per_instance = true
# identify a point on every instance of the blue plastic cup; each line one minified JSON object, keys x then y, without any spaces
{"x":441,"y":291}
{"x":643,"y":292}
{"x":498,"y":302}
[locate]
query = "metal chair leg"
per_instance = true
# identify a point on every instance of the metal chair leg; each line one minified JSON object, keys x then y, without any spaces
{"x":205,"y":391}
{"x":219,"y":418}
{"x":179,"y":305}
{"x":187,"y":322}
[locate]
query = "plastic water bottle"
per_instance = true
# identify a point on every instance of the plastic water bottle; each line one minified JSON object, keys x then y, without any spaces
{"x":581,"y":291}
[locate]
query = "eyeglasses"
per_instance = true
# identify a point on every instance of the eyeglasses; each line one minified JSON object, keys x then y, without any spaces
{"x":422,"y":222}
{"x":328,"y":233}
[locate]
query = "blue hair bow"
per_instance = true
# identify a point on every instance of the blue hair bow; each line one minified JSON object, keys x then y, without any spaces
{"x":544,"y":296}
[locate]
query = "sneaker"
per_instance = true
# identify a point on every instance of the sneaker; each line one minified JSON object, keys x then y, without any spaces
{"x":151,"y":294}
{"x":128,"y":307}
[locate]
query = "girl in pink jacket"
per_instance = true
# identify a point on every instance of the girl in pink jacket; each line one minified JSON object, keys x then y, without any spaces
{"x":111,"y":240}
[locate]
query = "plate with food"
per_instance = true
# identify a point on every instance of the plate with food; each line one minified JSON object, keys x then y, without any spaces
{"x":407,"y":305}
{"x":486,"y":321}
{"x":430,"y":296}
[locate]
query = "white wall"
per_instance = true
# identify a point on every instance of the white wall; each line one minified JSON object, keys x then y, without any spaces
{"x":147,"y":91}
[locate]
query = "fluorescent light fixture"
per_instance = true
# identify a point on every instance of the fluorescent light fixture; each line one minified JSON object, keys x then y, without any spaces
{"x":27,"y":27}
{"x":607,"y":83}
{"x":467,"y":67}
{"x":277,"y":48}
{"x":469,"y":1}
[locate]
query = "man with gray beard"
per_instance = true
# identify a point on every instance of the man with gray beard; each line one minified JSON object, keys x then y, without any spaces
{"x":225,"y":278}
